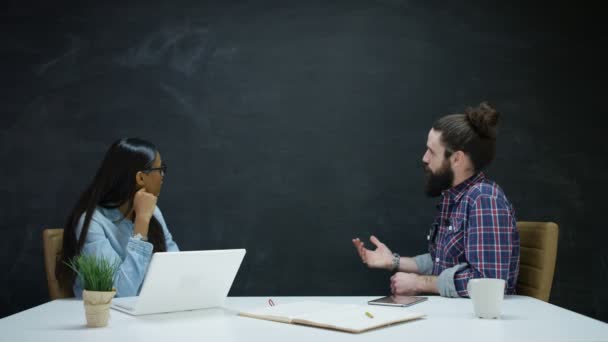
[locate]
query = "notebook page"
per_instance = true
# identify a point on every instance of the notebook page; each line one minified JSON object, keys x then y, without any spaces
{"x":292,"y":310}
{"x":353,"y":317}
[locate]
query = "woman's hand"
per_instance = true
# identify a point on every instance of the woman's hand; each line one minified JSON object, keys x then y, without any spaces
{"x":144,"y":204}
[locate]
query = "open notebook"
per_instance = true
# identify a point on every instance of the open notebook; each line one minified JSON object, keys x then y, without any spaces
{"x":344,"y":317}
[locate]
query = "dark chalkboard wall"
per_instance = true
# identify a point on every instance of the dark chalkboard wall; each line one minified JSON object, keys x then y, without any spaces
{"x":291,"y":127}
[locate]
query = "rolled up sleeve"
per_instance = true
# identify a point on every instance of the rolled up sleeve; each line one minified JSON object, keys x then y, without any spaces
{"x":132,"y":269}
{"x":424,"y":263}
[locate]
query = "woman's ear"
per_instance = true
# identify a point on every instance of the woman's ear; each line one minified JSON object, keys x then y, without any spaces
{"x":139,"y":179}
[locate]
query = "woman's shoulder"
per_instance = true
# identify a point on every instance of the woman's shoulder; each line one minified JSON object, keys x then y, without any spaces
{"x":98,"y":219}
{"x":102,"y":216}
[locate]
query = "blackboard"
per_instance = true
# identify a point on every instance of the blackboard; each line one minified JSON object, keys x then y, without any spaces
{"x":291,"y":127}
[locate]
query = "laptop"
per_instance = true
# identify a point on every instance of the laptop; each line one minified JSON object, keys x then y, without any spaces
{"x":179,"y":281}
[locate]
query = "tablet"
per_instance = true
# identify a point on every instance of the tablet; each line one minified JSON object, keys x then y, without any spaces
{"x":397,"y":300}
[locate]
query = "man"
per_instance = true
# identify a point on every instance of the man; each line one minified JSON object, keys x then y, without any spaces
{"x":474,"y":233}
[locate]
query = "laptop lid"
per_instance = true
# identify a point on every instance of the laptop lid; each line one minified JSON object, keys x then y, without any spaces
{"x":189,"y":280}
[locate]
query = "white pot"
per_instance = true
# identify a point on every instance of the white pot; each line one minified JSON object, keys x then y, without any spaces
{"x":97,"y":307}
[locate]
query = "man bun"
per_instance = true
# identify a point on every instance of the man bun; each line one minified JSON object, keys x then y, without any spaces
{"x":483,"y":119}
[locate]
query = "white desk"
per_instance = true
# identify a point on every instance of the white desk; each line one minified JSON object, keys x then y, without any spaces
{"x":524,"y":318}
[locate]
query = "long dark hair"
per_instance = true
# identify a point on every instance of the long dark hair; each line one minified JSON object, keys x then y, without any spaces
{"x":473,"y":132}
{"x":113,"y":185}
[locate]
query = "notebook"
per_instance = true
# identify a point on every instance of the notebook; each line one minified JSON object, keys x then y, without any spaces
{"x":350,"y":318}
{"x":179,"y":281}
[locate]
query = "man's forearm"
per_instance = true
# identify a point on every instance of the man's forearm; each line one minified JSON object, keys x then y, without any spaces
{"x":427,"y":284}
{"x":408,"y":265}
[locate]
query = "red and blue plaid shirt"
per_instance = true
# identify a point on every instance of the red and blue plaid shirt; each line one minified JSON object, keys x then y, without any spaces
{"x":475,"y":226}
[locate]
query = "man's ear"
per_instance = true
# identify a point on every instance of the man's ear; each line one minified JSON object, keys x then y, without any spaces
{"x":458,"y":158}
{"x":139,"y":179}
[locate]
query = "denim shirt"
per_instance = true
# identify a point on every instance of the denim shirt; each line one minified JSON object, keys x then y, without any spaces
{"x":110,"y":235}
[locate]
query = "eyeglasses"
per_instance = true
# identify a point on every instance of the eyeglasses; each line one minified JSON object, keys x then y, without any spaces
{"x":162,"y":169}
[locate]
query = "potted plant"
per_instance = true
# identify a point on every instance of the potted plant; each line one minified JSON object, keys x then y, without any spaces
{"x":96,"y":274}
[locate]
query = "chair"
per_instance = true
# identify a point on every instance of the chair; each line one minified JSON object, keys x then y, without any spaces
{"x":52,"y":242}
{"x":538,"y":241}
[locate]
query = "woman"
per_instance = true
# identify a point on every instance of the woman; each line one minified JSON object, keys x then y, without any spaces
{"x":117,"y":218}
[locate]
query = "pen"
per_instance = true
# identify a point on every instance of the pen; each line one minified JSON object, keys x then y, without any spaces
{"x":369,"y":314}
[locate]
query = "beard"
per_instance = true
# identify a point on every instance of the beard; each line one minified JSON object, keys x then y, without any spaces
{"x":437,"y":182}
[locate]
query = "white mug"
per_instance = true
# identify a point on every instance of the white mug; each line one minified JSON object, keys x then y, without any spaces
{"x":487,"y":295}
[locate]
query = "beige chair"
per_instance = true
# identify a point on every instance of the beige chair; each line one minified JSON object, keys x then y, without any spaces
{"x":538,"y":252}
{"x":52,"y":242}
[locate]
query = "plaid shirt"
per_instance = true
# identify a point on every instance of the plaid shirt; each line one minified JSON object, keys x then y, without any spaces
{"x":475,"y":228}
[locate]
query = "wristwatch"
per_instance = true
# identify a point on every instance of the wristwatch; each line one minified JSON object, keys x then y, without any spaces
{"x":396,"y":260}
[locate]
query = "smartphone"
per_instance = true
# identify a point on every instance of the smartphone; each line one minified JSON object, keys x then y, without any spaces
{"x":397,"y":300}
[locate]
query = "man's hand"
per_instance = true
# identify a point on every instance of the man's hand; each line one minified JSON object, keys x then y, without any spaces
{"x":381,"y":257}
{"x":409,"y":284}
{"x":405,"y":284}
